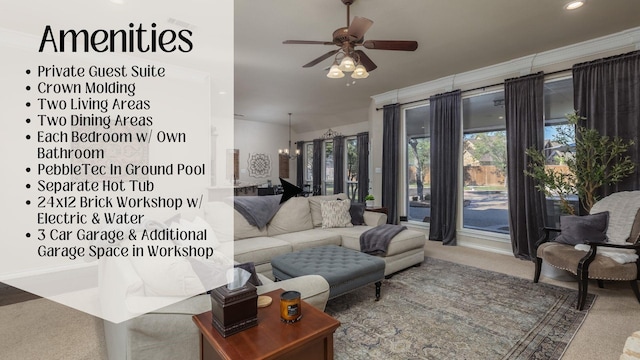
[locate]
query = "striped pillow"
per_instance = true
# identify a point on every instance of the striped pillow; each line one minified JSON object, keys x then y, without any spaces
{"x":335,"y":214}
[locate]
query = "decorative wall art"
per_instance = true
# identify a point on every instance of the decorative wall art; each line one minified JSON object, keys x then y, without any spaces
{"x":259,"y":165}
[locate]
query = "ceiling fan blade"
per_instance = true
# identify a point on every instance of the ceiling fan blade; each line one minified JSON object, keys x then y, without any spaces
{"x":358,"y":27}
{"x":366,"y":61}
{"x":401,"y":45}
{"x":319,"y":59}
{"x":308,"y":42}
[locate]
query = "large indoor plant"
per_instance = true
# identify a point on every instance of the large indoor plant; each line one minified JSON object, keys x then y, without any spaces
{"x":591,"y":161}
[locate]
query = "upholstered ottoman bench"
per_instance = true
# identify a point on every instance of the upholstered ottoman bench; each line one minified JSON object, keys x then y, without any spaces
{"x":344,"y":269}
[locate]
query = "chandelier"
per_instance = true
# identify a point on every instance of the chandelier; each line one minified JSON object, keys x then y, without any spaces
{"x":347,"y":60}
{"x":287,"y":152}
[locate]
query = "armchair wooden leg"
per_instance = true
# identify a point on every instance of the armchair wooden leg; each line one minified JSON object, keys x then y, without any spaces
{"x":583,"y":284}
{"x":600,"y":284}
{"x":536,"y":276}
{"x":634,"y":287}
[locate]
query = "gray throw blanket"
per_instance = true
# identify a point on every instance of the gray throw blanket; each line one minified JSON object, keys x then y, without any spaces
{"x":258,"y":210}
{"x":376,"y":241}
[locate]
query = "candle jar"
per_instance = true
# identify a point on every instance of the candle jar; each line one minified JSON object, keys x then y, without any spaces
{"x":290,"y":309}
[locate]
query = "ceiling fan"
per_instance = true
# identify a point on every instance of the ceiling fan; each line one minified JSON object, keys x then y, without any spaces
{"x":347,"y":58}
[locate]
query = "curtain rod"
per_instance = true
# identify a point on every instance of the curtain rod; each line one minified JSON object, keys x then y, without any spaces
{"x":479,"y":88}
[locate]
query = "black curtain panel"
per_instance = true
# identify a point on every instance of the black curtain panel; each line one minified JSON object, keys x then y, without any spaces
{"x":300,"y":168}
{"x":524,"y":109}
{"x":317,"y":166}
{"x":390,"y":160}
{"x":363,"y":165}
{"x":446,"y":131}
{"x":338,"y":164}
{"x":607,"y":93}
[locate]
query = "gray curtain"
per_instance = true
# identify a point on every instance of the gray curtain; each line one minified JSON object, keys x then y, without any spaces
{"x":607,"y":93}
{"x":363,"y":166}
{"x":390,"y":160}
{"x":446,"y":131}
{"x":317,"y":166}
{"x":524,"y":109}
{"x":300,"y":168}
{"x":338,"y":164}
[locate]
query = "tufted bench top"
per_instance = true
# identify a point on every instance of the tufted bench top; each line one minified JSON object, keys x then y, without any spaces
{"x":344,"y":269}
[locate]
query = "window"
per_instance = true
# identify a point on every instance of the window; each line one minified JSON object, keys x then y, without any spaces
{"x":558,"y":102}
{"x":352,"y":168}
{"x":328,"y":168}
{"x":418,"y":189}
{"x":308,"y":163}
{"x":485,"y":200}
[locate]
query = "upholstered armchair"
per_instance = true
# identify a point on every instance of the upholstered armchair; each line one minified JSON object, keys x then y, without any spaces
{"x":602,"y":260}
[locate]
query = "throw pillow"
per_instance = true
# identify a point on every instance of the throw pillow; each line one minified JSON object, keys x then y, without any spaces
{"x":357,"y":213}
{"x":580,"y":229}
{"x":335,"y":214}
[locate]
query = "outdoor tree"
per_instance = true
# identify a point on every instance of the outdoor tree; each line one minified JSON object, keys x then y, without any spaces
{"x":421,"y":151}
{"x":493,"y":146}
{"x":352,"y":160}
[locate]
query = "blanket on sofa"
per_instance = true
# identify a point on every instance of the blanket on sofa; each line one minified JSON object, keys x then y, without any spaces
{"x":376,"y":241}
{"x":258,"y":210}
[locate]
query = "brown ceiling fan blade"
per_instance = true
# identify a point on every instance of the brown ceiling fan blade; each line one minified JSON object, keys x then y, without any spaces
{"x":307,"y":42}
{"x":321,"y":58}
{"x":366,"y":61}
{"x":358,"y":27}
{"x":401,"y":45}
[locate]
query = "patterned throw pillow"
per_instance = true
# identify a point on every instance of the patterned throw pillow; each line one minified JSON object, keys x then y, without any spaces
{"x":335,"y":214}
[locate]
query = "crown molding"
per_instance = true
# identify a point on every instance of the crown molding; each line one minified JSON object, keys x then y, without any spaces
{"x":516,"y":67}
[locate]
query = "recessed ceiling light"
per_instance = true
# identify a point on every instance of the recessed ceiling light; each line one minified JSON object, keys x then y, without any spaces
{"x":574,"y":5}
{"x":117,"y":1}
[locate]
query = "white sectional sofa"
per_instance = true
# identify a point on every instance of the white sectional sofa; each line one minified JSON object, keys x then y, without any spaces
{"x":298,"y":225}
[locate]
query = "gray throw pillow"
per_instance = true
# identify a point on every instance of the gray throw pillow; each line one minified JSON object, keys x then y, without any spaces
{"x":357,"y":213}
{"x":580,"y":229}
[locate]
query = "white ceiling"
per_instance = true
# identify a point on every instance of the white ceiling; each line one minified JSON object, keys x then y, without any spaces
{"x":454,"y":36}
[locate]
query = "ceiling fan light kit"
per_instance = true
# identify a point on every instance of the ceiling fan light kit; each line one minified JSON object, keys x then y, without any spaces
{"x":335,"y":72}
{"x":347,"y":59}
{"x":360,"y":73}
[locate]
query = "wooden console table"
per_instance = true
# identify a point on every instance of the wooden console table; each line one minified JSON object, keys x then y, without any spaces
{"x":378,"y":209}
{"x":309,"y":338}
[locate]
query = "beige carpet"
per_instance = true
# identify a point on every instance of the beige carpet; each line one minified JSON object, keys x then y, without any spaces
{"x":41,"y":329}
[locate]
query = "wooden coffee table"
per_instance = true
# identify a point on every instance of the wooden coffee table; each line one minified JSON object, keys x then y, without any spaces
{"x":309,"y":338}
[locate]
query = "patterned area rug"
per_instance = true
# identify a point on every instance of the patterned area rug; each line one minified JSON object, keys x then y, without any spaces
{"x":443,"y":310}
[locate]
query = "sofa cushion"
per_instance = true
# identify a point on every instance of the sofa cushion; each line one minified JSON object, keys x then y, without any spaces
{"x":310,"y":238}
{"x":242,"y":228}
{"x":406,"y":240}
{"x":294,"y":215}
{"x":315,"y":205}
{"x":335,"y":214}
{"x":167,"y":275}
{"x":566,"y":257}
{"x":259,"y":250}
{"x":220,"y":216}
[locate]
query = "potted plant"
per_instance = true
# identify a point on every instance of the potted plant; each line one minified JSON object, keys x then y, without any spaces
{"x":596,"y":160}
{"x":369,"y":199}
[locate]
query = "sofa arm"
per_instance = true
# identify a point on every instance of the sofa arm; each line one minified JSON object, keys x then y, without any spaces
{"x":372,"y":218}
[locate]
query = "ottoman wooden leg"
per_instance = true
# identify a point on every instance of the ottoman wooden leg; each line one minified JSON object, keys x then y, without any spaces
{"x":378,"y":284}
